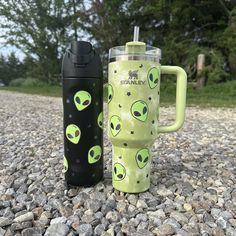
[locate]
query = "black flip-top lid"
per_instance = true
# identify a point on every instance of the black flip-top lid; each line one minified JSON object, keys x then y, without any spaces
{"x":81,"y":61}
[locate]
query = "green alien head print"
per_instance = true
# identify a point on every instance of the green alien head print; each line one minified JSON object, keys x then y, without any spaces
{"x":142,"y":157}
{"x":119,"y":172}
{"x":65,"y":164}
{"x":153,"y":76}
{"x":110,"y":93}
{"x":100,"y":120}
{"x":73,"y":133}
{"x":115,"y":125}
{"x":82,"y":99}
{"x":139,"y":110}
{"x":94,"y":154}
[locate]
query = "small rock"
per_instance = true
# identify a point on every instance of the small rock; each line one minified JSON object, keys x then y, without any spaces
{"x":72,"y":192}
{"x":164,"y":192}
{"x":58,"y":220}
{"x":208,"y":219}
{"x":25,"y":217}
{"x":132,"y":199}
{"x":142,"y":225}
{"x":187,"y":207}
{"x":215,"y":212}
{"x":85,"y":230}
{"x":217,"y":231}
{"x":226,"y":215}
{"x":141,"y":217}
{"x":37,"y":212}
{"x":57,"y":230}
{"x":99,"y":229}
{"x":141,"y":204}
{"x":88,"y":217}
{"x":110,"y":232}
{"x":164,"y":229}
{"x":5,"y":221}
{"x":221,"y":222}
{"x":121,"y":207}
{"x":233,"y":222}
{"x":20,"y":226}
{"x":142,"y":232}
{"x":134,"y":222}
{"x":92,"y":205}
{"x":230,"y":231}
{"x":112,"y":216}
{"x":172,"y":222}
{"x":205,"y":229}
{"x":181,"y":218}
{"x":2,"y":231}
{"x":32,"y":232}
{"x":156,"y":214}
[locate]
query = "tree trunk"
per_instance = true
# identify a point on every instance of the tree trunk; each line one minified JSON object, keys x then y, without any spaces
{"x":201,"y":77}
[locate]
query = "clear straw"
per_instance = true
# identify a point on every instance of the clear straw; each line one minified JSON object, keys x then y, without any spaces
{"x":136,"y":33}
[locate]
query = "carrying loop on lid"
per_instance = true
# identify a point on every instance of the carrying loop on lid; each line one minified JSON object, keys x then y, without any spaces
{"x":80,"y":59}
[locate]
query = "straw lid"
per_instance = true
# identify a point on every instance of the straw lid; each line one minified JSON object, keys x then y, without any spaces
{"x":135,"y":50}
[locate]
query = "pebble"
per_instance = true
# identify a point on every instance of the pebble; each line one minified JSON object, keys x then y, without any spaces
{"x":5,"y":221}
{"x":2,"y":231}
{"x":164,"y":192}
{"x":179,"y":217}
{"x":112,"y":216}
{"x":221,"y":222}
{"x":58,"y":220}
{"x":192,"y":181}
{"x":99,"y":229}
{"x":187,"y":207}
{"x":59,"y":229}
{"x":141,"y":204}
{"x":93,"y":205}
{"x":165,"y":229}
{"x":85,"y":230}
{"x":33,"y":232}
{"x":25,"y":217}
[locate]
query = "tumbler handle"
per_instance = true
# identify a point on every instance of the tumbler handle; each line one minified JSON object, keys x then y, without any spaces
{"x":180,"y":98}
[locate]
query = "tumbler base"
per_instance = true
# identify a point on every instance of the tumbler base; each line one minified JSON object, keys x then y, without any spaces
{"x":131,"y":169}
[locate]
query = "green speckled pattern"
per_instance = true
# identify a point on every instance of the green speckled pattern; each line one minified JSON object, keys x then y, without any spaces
{"x":133,"y":95}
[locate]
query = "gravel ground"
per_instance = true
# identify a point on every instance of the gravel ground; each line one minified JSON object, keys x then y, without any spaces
{"x":193,"y":190}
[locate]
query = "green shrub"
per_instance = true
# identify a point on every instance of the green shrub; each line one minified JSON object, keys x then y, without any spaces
{"x":16,"y":82}
{"x":31,"y":82}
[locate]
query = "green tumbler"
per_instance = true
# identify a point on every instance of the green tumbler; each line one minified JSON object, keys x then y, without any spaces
{"x":133,"y":111}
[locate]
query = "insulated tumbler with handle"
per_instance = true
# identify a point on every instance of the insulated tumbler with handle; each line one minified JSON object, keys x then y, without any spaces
{"x":133,"y":111}
{"x":83,"y":118}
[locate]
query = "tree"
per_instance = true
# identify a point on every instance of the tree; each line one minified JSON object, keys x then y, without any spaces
{"x":10,"y":68}
{"x":41,"y":28}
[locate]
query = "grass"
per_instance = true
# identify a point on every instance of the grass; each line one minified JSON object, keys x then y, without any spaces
{"x":216,"y":95}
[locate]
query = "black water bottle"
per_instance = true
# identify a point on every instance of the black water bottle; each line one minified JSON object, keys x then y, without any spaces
{"x":83,"y":117}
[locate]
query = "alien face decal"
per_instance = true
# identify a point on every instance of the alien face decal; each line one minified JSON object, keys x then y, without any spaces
{"x":119,"y":172}
{"x":100,"y":120}
{"x":142,"y":157}
{"x":82,"y":99}
{"x":73,"y":133}
{"x":139,"y":110}
{"x":115,"y":124}
{"x":65,"y":164}
{"x":110,"y":93}
{"x":94,"y":154}
{"x":153,"y":76}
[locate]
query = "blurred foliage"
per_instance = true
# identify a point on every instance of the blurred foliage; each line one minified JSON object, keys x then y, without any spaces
{"x":181,"y":28}
{"x":10,"y":68}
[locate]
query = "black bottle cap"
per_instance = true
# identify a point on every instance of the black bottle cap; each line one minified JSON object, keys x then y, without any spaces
{"x":81,"y":61}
